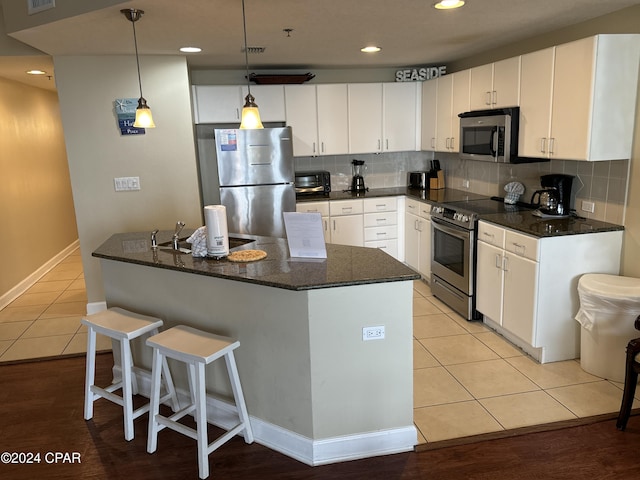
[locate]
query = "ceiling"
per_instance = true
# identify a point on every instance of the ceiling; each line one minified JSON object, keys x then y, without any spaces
{"x":325,"y":33}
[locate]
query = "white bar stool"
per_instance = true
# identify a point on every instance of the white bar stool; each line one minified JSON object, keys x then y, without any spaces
{"x":197,"y":349}
{"x":122,"y":326}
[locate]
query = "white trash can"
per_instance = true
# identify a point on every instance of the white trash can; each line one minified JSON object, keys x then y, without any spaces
{"x":609,"y":305}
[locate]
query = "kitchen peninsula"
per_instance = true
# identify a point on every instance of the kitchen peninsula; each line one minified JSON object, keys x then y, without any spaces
{"x":315,"y":390}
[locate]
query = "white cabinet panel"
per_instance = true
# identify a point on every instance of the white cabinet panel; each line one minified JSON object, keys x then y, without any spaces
{"x":429,"y":115}
{"x":400,"y":110}
{"x":347,"y":230}
{"x":520,"y":297}
{"x":270,"y":101}
{"x":333,"y":126}
{"x":365,"y":117}
{"x":216,"y":103}
{"x":490,"y":281}
{"x":302,"y":117}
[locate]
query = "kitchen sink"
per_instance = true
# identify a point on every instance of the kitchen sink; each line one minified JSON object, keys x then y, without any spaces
{"x":185,"y":247}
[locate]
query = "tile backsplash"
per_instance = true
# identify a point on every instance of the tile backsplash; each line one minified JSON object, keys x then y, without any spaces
{"x":603,"y":183}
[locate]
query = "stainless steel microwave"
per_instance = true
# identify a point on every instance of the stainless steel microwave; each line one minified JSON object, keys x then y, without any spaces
{"x":490,"y":135}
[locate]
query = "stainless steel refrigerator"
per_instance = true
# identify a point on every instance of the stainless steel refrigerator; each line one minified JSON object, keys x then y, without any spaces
{"x":256,"y":176}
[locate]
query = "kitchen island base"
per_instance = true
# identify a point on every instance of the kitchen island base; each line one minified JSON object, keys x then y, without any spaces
{"x":315,"y":391}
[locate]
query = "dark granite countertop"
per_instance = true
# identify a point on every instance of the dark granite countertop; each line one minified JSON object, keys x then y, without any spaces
{"x":526,"y":222}
{"x":522,"y":219}
{"x":344,"y":266}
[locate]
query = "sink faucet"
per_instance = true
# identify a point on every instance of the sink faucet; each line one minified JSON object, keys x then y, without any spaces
{"x":179,"y":226}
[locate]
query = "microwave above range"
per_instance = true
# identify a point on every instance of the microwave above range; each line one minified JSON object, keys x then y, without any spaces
{"x":490,"y":135}
{"x":315,"y":182}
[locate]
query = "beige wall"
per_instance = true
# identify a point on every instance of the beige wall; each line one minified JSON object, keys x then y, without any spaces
{"x":163,"y":158}
{"x":36,"y":208}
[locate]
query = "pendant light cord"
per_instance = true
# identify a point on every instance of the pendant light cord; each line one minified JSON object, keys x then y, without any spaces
{"x":246,"y":50}
{"x":135,"y":43}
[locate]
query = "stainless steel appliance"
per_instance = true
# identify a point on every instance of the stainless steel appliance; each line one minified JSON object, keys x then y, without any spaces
{"x":490,"y":135}
{"x":316,"y":182}
{"x":555,"y":198}
{"x":255,"y":178}
{"x":453,"y":250}
{"x":419,"y":180}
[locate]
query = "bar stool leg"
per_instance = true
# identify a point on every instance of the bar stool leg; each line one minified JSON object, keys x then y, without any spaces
{"x":154,"y":401}
{"x":201,"y":418}
{"x":90,"y":373}
{"x":232,"y":370}
{"x":168,"y":380}
{"x":127,"y":395}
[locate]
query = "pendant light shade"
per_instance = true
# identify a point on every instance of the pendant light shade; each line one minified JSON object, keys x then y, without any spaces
{"x":250,"y":114}
{"x":144,"y":119}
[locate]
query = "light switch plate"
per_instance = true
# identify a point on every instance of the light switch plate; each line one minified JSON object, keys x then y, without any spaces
{"x":126,"y":184}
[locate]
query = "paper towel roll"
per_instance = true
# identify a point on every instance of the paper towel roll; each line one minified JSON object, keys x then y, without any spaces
{"x":215,"y":219}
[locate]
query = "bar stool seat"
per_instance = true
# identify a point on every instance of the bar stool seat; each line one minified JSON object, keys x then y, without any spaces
{"x":121,"y":326}
{"x":197,"y":349}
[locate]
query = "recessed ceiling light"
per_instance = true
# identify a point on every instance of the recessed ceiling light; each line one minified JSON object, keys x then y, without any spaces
{"x":448,"y":4}
{"x":36,"y":72}
{"x":370,"y":49}
{"x":190,"y":49}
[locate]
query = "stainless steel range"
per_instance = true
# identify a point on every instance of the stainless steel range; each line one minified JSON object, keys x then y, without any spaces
{"x":453,"y":251}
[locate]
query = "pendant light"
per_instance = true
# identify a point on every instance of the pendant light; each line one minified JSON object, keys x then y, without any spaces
{"x":144,"y":119}
{"x":250,"y":114}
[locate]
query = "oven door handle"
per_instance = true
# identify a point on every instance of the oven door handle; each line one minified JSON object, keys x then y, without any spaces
{"x":458,"y":232}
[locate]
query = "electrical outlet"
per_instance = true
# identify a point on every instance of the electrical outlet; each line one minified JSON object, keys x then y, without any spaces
{"x":465,"y":183}
{"x":588,"y":206}
{"x":125,"y":184}
{"x":373,"y":333}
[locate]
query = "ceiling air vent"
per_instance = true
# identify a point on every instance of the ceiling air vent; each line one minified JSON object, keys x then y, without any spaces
{"x":252,"y":50}
{"x":35,"y":6}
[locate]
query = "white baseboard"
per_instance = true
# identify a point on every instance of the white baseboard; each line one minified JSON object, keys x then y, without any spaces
{"x":28,"y":282}
{"x":301,"y":448}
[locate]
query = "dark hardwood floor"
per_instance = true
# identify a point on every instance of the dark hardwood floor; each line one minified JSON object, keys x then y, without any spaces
{"x":41,"y":411}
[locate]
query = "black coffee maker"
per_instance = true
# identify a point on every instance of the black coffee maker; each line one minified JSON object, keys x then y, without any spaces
{"x":557,"y":192}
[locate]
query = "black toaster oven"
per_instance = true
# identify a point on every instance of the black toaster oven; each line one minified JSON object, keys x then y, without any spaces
{"x":315,"y":182}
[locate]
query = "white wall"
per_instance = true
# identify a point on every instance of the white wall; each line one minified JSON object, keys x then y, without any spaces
{"x":163,"y":158}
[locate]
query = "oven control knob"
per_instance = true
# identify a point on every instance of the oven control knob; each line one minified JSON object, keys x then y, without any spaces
{"x":438,"y":209}
{"x":464,"y":218}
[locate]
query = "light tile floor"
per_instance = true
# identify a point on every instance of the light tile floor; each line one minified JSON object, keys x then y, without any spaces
{"x":468,"y":380}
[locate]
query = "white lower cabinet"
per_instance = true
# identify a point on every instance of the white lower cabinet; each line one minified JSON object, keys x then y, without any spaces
{"x":321,"y":207}
{"x":381,"y":224}
{"x":417,"y":236}
{"x":346,"y":222}
{"x":527,"y":286}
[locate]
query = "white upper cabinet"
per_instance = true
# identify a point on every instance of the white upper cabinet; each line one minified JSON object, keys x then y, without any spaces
{"x":383,"y":117}
{"x":400,"y":113}
{"x":365,"y":117}
{"x":577,"y":100}
{"x":317,"y":116}
{"x":452,"y":99}
{"x":223,"y":103}
{"x":495,"y":85}
{"x":302,"y":117}
{"x":270,"y":101}
{"x":216,"y":103}
{"x":429,"y":102}
{"x":333,"y":127}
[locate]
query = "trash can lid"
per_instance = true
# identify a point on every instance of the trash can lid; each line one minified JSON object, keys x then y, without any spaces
{"x":610,"y":286}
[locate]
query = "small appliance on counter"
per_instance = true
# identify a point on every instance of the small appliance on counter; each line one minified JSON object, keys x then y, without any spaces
{"x":554,"y":200}
{"x":418,"y":180}
{"x":357,"y":182}
{"x":314,"y":182}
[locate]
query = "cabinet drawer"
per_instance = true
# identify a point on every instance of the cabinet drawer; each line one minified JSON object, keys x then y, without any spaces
{"x":491,"y":234}
{"x":413,"y":206}
{"x":382,"y":204}
{"x":389,"y":246}
{"x":522,"y":245}
{"x":425,"y":210}
{"x":380,"y":219}
{"x":313,"y":207}
{"x":345,"y":207}
{"x":380,"y":233}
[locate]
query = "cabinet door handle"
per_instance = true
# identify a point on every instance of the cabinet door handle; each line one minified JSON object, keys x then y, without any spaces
{"x":322,"y":146}
{"x":347,"y":209}
{"x":494,"y":97}
{"x":314,"y":147}
{"x":552,"y":144}
{"x":387,"y":144}
{"x":452,"y":143}
{"x":381,"y":234}
{"x":334,"y":225}
{"x":487,"y":98}
{"x":505,"y":264}
{"x":543,"y":145}
{"x":411,"y":207}
{"x":433,"y":142}
{"x":381,"y":220}
{"x":326,"y":226}
{"x":518,"y":248}
{"x":237,"y":114}
{"x":498,"y":261}
{"x":446,"y":143}
{"x":490,"y":235}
